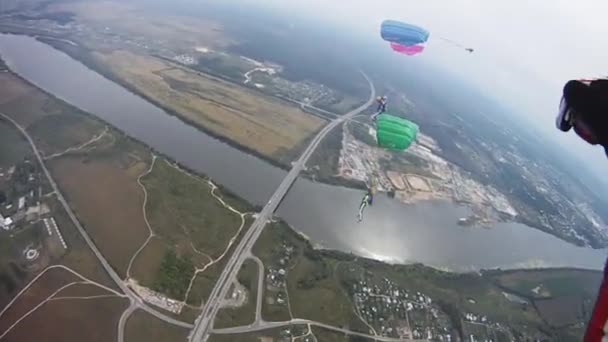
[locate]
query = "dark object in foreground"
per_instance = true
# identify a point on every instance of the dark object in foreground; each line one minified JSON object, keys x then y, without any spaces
{"x":584,"y":107}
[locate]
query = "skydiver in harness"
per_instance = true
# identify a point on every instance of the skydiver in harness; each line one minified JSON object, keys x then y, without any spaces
{"x":368,"y":199}
{"x":381,"y":100}
{"x":584,"y":107}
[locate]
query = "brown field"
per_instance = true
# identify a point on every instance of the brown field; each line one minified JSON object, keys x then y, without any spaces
{"x":108,"y":201}
{"x":12,"y":88}
{"x":83,"y":290}
{"x":562,"y":311}
{"x":48,"y":283}
{"x":72,"y":320}
{"x":268,"y":126}
{"x":78,"y":257}
{"x":20,"y":100}
{"x":143,"y":327}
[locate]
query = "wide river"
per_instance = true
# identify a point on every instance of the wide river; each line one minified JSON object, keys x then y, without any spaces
{"x":391,"y":231}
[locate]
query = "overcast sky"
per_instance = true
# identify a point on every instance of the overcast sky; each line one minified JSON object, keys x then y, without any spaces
{"x":525,"y":50}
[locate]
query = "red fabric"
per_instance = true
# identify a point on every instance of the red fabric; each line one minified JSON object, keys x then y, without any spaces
{"x":595,"y":329}
{"x":585,"y":133}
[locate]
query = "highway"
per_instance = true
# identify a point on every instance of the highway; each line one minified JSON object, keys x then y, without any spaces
{"x":204,"y":322}
{"x":136,"y":302}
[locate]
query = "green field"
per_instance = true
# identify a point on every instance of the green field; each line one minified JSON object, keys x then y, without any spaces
{"x":244,"y":315}
{"x":173,"y":275}
{"x":181,"y":209}
{"x":313,"y":291}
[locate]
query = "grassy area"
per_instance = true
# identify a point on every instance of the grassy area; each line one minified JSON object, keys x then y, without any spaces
{"x":173,"y":275}
{"x":562,"y":297}
{"x":143,"y":327}
{"x":244,"y":315}
{"x":270,"y":335}
{"x":324,"y":160}
{"x":181,"y":209}
{"x":19,"y":148}
{"x":539,"y":284}
{"x":57,"y":132}
{"x":332,"y":336}
{"x":362,"y":133}
{"x":312,"y":289}
{"x":269,"y":249}
{"x":252,"y":120}
{"x":189,"y":220}
{"x":204,"y":282}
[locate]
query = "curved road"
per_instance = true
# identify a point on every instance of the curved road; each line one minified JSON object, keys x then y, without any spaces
{"x":204,"y":322}
{"x":136,"y":302}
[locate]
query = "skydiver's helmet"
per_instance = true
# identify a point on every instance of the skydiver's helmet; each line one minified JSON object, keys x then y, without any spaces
{"x":584,"y":107}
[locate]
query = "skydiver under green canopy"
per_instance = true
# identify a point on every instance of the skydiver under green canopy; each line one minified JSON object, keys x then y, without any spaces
{"x":381,"y":100}
{"x":368,"y":199}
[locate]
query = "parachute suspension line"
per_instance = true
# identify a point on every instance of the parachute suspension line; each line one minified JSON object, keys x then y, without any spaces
{"x":452,"y":42}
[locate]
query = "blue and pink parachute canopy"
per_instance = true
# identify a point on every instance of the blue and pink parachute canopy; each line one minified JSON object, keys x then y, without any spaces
{"x":402,"y":33}
{"x":404,"y":38}
{"x":407,"y":38}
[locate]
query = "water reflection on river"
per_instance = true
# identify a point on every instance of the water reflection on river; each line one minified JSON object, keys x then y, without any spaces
{"x":425,"y":232}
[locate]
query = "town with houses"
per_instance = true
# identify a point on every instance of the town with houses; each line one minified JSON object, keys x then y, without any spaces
{"x":24,"y":210}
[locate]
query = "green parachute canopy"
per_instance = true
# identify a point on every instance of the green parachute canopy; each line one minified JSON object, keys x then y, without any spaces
{"x":395,"y":133}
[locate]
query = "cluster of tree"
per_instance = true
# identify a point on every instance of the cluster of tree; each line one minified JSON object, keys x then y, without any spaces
{"x":173,"y":275}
